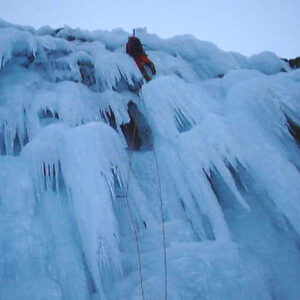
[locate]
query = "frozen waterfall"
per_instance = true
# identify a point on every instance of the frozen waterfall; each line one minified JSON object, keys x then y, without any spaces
{"x":226,"y":132}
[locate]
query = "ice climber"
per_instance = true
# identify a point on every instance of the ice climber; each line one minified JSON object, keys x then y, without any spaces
{"x":135,"y":49}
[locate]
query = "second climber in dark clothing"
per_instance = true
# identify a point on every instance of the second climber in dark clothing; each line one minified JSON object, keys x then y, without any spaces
{"x":135,"y":49}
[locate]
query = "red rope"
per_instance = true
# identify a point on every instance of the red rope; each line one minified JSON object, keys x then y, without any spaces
{"x":161,"y":212}
{"x":134,"y":229}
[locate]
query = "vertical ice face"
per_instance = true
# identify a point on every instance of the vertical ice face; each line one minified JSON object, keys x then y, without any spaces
{"x":224,"y":129}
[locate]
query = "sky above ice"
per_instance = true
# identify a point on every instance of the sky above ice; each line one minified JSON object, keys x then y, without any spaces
{"x":245,"y":26}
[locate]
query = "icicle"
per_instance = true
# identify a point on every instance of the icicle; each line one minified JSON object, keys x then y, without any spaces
{"x":118,"y":175}
{"x":69,"y":193}
{"x":40,"y":180}
{"x":227,"y":176}
{"x":57,"y":175}
{"x":112,"y":190}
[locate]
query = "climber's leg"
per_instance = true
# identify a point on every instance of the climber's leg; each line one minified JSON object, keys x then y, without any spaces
{"x":148,"y":62}
{"x":140,"y":63}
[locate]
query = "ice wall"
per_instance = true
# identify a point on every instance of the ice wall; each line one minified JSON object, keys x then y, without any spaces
{"x":225,"y":131}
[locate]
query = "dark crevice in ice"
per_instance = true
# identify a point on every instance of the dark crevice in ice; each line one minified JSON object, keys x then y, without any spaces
{"x":17,"y":145}
{"x":2,"y":141}
{"x":26,"y":138}
{"x":130,"y":133}
{"x":123,"y":85}
{"x":109,"y":117}
{"x":87,"y":72}
{"x":222,"y":191}
{"x":294,"y":129}
{"x":137,"y":132}
{"x":182,"y":123}
{"x":47,"y":113}
{"x":206,"y":223}
{"x":48,"y":117}
{"x":236,"y":176}
{"x":190,"y":221}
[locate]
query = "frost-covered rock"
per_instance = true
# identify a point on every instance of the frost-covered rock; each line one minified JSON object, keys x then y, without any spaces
{"x":74,"y":200}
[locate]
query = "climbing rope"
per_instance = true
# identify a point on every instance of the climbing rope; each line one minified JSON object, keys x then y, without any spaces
{"x":161,"y":210}
{"x":134,"y":229}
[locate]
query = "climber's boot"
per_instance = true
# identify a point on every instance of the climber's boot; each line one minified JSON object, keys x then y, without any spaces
{"x":146,"y":76}
{"x":152,"y":68}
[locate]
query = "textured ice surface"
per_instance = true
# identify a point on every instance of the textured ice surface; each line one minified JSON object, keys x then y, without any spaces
{"x":225,"y":129}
